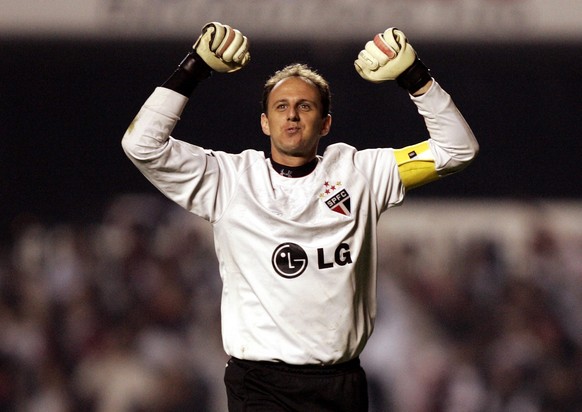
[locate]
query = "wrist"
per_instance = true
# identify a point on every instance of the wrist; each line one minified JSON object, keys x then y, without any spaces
{"x":415,"y":77}
{"x":195,"y":66}
{"x":423,"y":89}
{"x":191,"y":70}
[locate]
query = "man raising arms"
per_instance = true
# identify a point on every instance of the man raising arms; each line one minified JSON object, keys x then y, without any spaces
{"x":295,"y":232}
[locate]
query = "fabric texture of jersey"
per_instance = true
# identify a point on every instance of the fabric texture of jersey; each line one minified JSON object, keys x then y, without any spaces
{"x":297,"y":255}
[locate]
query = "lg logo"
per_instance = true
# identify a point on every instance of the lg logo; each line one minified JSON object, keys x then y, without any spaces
{"x":290,"y":260}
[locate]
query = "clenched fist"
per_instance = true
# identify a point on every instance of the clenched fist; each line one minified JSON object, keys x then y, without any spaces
{"x":222,"y":48}
{"x":390,"y":57}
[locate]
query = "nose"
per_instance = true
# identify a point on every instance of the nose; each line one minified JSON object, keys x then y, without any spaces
{"x":292,"y":115}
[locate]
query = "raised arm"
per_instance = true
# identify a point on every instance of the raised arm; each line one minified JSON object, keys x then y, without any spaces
{"x":220,"y":49}
{"x":452,"y":144}
{"x":179,"y":169}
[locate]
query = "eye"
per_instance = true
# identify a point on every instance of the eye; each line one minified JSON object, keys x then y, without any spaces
{"x":281,"y":106}
{"x":305,"y":107}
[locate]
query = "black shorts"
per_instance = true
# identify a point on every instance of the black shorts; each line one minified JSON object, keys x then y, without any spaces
{"x":276,"y":387}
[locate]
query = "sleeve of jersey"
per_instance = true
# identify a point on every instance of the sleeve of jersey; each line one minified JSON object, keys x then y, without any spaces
{"x":185,"y":173}
{"x":452,"y":141}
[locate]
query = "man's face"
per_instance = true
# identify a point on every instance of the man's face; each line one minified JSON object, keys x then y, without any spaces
{"x":294,"y":121}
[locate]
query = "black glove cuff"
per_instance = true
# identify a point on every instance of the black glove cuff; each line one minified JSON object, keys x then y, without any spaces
{"x":191,"y":71}
{"x":415,"y":77}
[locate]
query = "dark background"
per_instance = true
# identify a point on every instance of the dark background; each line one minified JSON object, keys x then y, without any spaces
{"x":65,"y":105}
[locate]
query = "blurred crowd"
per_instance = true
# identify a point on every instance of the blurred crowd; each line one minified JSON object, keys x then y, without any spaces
{"x":124,"y":316}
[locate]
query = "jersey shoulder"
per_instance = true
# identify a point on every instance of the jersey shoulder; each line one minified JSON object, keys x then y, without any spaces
{"x":238,"y":161}
{"x":338,"y":151}
{"x":360,"y":158}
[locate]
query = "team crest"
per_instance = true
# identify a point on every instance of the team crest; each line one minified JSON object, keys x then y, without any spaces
{"x":336,"y":197}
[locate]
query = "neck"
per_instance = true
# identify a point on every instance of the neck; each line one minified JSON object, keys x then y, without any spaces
{"x":295,"y":171}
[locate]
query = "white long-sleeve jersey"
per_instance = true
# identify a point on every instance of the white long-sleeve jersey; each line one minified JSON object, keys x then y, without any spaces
{"x":297,"y":256}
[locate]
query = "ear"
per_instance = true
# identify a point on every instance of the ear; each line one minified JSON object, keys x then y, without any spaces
{"x":265,"y":124}
{"x":325,"y":128}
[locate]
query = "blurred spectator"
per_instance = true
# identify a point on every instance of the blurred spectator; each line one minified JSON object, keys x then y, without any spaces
{"x":123,"y":316}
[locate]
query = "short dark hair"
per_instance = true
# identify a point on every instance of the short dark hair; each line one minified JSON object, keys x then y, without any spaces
{"x":306,"y":73}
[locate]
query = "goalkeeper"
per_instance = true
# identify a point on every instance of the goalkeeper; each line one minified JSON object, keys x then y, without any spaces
{"x":295,"y":231}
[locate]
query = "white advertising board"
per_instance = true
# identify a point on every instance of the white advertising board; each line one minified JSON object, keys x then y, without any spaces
{"x":455,"y":20}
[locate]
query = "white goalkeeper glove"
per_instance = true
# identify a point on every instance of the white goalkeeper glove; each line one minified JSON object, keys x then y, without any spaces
{"x":390,"y":57}
{"x":222,"y":48}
